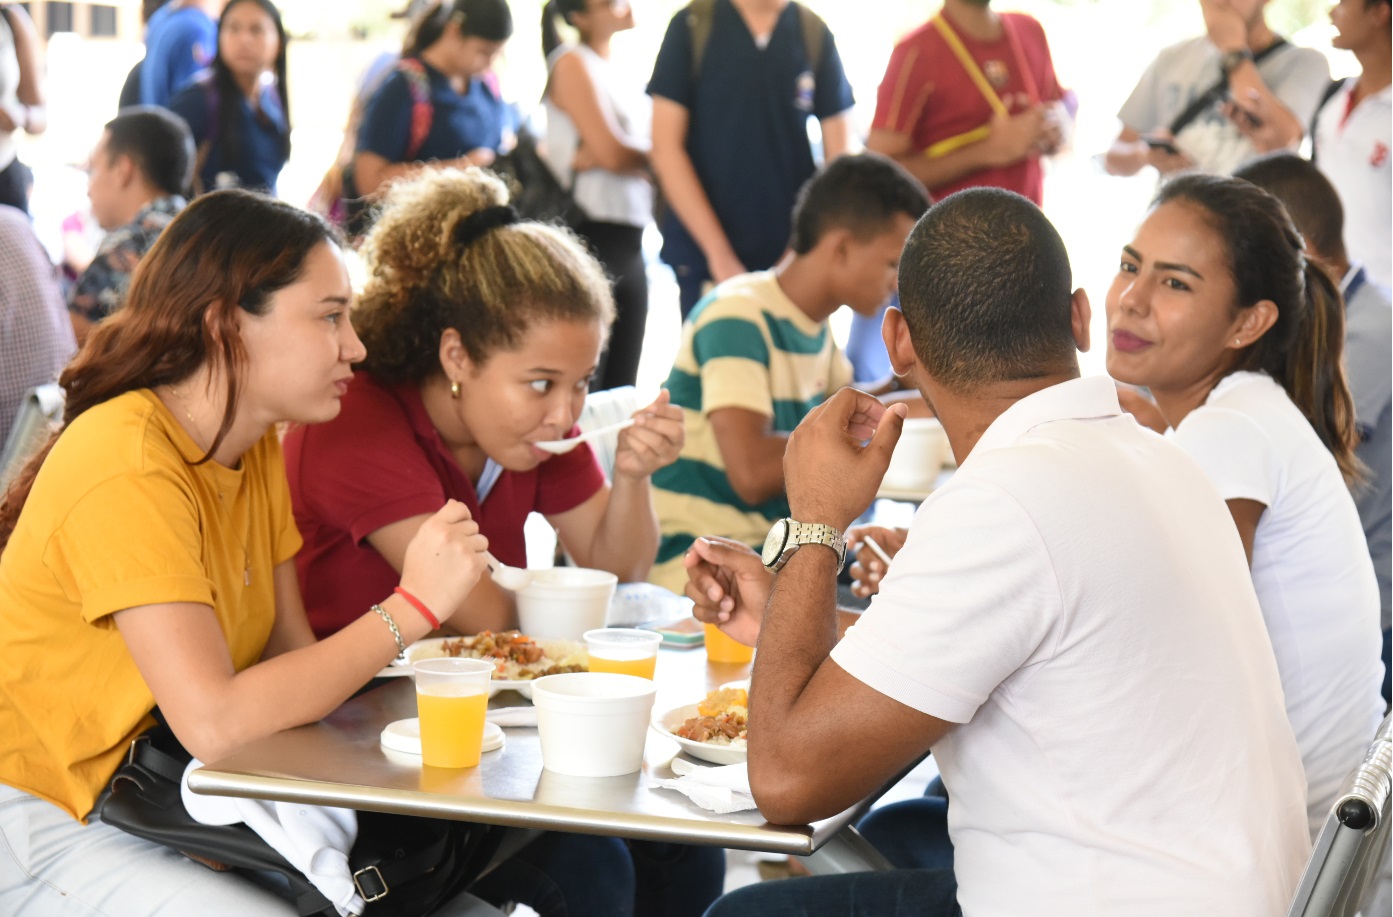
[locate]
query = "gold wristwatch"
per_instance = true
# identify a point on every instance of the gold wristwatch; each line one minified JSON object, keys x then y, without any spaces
{"x":787,"y":536}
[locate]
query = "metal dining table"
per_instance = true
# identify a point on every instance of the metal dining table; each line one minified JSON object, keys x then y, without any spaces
{"x":340,"y":762}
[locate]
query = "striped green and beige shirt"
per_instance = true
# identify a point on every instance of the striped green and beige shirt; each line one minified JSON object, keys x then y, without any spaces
{"x":745,"y":346}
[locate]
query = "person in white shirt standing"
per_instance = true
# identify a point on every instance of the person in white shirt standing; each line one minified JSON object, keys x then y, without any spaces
{"x":1069,"y":625}
{"x":1354,"y":134}
{"x":598,"y":137}
{"x":1239,"y":336}
{"x":1214,"y":101}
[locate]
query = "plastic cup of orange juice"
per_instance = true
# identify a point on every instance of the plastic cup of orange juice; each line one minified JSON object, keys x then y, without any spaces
{"x":452,"y":696}
{"x":623,"y":651}
{"x":722,"y":648}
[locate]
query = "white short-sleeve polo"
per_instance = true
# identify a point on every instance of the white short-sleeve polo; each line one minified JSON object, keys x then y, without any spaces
{"x":1352,"y":148}
{"x":1311,"y":568}
{"x":1076,"y":598}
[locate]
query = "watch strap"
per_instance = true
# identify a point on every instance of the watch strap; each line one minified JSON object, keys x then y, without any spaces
{"x":1232,"y":60}
{"x":801,"y":533}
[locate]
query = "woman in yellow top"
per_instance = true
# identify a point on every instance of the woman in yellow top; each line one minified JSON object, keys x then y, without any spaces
{"x":147,"y":556}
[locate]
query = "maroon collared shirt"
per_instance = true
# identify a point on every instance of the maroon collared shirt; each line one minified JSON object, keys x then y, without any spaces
{"x":382,"y":460}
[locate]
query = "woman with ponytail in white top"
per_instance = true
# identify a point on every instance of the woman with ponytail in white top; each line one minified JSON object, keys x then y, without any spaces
{"x":1239,"y":337}
{"x":597,"y":145}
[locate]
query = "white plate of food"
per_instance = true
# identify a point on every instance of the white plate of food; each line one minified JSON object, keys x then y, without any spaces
{"x":518,"y":659}
{"x":712,"y":729}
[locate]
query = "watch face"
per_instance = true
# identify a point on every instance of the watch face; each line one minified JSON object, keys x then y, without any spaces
{"x":774,"y":544}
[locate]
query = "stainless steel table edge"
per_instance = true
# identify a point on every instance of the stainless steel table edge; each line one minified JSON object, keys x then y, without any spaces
{"x":798,"y":841}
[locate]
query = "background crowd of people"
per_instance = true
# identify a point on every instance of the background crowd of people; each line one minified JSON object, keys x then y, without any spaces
{"x":422,"y":348}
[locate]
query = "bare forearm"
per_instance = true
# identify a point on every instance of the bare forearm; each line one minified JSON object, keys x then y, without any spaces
{"x":940,"y":170}
{"x":800,"y":627}
{"x":299,"y":687}
{"x":756,"y":472}
{"x":686,"y":197}
{"x":626,"y":540}
{"x":487,"y":608}
{"x":1285,"y":129}
{"x":621,"y":157}
{"x":836,"y":136}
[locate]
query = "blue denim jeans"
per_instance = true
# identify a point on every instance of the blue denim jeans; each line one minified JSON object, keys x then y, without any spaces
{"x":912,"y":834}
{"x":576,"y":875}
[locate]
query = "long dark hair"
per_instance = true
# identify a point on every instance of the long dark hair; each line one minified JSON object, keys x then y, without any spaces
{"x":1304,"y":350}
{"x":490,"y":20}
{"x":229,"y":94}
{"x":558,"y":11}
{"x":227,"y":252}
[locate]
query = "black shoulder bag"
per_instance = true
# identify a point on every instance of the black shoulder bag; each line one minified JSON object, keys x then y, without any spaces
{"x":535,"y":190}
{"x":1215,"y":94}
{"x":403,"y":866}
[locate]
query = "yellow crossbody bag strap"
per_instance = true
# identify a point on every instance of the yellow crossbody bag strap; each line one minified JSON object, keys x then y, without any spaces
{"x":979,"y":79}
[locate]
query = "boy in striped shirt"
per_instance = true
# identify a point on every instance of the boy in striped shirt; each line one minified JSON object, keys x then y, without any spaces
{"x":757,"y":354}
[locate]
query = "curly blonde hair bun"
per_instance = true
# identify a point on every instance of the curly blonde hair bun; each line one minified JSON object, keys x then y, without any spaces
{"x":490,"y":287}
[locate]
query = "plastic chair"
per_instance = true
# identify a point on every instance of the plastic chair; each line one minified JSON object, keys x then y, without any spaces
{"x":602,"y":409}
{"x":1353,"y":847}
{"x":39,"y":414}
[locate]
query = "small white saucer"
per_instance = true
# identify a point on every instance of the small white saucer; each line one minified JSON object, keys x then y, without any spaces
{"x":405,"y":736}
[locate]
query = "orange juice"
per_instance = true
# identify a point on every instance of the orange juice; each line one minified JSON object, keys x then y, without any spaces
{"x":643,"y":668}
{"x":452,"y":728}
{"x":721,"y":648}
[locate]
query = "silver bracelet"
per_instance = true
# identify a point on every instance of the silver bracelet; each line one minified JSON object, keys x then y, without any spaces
{"x":396,"y":634}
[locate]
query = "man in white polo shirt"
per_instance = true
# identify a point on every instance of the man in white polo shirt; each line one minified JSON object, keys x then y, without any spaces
{"x":1354,"y":133}
{"x":1070,"y":625}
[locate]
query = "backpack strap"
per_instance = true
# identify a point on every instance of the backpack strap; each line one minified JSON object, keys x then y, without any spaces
{"x":814,"y":36}
{"x":422,"y":111}
{"x":1216,"y":93}
{"x":1325,"y":96}
{"x":700,"y":14}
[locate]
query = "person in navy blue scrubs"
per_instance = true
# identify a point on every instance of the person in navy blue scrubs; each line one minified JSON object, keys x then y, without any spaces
{"x":463,"y":120}
{"x":238,"y":110}
{"x":730,"y":135}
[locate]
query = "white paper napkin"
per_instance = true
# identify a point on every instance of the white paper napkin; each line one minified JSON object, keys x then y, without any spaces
{"x":513,"y":716}
{"x":315,"y":839}
{"x":721,"y":790}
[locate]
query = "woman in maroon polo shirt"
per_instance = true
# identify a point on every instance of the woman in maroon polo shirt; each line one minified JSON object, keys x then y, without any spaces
{"x":482,"y":333}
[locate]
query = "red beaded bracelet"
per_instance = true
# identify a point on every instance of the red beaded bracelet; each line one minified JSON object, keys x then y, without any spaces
{"x":419,"y":606}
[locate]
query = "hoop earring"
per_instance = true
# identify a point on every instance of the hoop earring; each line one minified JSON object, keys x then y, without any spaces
{"x":454,"y":389}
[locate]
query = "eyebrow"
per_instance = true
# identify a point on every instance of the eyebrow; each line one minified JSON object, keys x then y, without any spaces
{"x":340,"y":300}
{"x":1165,"y":265}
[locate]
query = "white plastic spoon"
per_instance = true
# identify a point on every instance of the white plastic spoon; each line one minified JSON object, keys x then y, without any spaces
{"x":562,"y":446}
{"x":510,"y":578}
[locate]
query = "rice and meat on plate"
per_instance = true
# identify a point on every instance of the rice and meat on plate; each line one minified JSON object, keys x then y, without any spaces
{"x":721,"y":719}
{"x":517,"y":657}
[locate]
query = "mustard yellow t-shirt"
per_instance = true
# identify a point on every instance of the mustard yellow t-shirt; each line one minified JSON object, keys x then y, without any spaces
{"x":120,"y":516}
